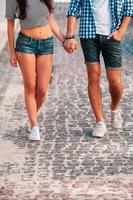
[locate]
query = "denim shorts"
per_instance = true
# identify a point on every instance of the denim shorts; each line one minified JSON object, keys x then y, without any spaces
{"x":110,"y":49}
{"x":26,"y":44}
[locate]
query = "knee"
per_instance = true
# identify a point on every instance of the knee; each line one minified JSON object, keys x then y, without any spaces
{"x":94,"y":80}
{"x":30,"y":88}
{"x":41,"y":92}
{"x":114,"y":83}
{"x":115,"y":86}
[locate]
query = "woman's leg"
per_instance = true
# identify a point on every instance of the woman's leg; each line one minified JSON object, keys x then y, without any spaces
{"x":44,"y":68}
{"x":27,"y":63}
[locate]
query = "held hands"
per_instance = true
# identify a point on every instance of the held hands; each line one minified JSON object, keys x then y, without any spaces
{"x":70,"y":45}
{"x":13,"y":59}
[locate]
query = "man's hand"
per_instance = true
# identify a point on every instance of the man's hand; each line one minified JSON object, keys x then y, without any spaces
{"x":121,"y":31}
{"x":117,"y":35}
{"x":13,"y":59}
{"x":70,"y":45}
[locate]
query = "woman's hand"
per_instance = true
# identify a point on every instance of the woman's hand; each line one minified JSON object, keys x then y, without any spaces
{"x":70,"y":45}
{"x":13,"y":59}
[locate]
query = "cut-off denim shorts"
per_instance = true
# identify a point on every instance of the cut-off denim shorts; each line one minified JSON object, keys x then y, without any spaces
{"x":110,"y":49}
{"x":26,"y":44}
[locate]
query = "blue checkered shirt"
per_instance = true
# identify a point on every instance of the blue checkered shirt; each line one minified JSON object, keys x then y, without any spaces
{"x":83,"y":9}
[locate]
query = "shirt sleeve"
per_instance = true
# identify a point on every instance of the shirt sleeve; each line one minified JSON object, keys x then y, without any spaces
{"x":74,"y":8}
{"x":11,"y":7}
{"x":128,"y":8}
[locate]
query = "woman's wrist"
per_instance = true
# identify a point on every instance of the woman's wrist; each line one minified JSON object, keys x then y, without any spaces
{"x":63,"y":42}
{"x":11,"y":50}
{"x":62,"y":39}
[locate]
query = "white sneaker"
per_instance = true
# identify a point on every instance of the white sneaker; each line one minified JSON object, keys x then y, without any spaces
{"x":99,"y":130}
{"x":34,"y":133}
{"x":116,"y":119}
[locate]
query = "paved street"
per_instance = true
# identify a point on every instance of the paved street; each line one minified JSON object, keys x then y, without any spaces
{"x":68,"y":164}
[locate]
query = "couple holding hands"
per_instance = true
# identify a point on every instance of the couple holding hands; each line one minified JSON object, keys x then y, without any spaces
{"x":102,"y":26}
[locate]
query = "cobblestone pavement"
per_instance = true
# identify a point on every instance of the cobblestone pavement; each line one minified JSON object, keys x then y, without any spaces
{"x":68,"y":164}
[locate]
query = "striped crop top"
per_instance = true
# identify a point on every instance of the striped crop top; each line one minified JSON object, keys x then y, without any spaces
{"x":36,"y":13}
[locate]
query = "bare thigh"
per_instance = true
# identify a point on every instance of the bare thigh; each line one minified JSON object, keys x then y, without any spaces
{"x":27,"y":63}
{"x":44,"y":68}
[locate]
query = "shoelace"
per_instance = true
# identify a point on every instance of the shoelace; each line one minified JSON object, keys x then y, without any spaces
{"x":98,"y":126}
{"x":35,"y":133}
{"x":116,"y":116}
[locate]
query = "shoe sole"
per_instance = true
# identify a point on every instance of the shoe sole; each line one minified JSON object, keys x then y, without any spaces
{"x":32,"y":139}
{"x":118,"y":128}
{"x":97,"y":136}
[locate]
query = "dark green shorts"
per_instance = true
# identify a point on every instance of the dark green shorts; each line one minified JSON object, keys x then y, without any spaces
{"x":110,"y":49}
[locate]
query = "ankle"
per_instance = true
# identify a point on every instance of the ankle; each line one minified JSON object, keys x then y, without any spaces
{"x":34,"y":124}
{"x":114,"y":108}
{"x":115,"y":111}
{"x":100,"y":120}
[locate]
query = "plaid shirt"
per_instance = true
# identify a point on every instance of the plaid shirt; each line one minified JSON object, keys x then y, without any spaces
{"x":83,"y":9}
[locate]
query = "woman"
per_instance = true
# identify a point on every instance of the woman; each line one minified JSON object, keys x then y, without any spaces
{"x":33,"y":50}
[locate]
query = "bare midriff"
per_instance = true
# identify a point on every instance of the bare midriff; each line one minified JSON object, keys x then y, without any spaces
{"x":40,"y":32}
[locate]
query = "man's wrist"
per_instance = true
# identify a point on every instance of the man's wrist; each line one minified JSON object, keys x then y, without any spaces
{"x":121,"y":31}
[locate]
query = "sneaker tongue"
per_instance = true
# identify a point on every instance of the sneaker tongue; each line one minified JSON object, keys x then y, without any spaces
{"x":35,"y":127}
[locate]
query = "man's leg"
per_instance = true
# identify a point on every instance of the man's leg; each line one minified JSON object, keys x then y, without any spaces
{"x":94,"y":90}
{"x":95,"y":96}
{"x":115,"y":87}
{"x":113,"y":61}
{"x":91,"y":51}
{"x":116,"y":90}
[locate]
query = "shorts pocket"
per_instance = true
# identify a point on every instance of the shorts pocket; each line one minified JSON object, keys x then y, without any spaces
{"x":49,"y":42}
{"x":23,"y":41}
{"x":115,"y":40}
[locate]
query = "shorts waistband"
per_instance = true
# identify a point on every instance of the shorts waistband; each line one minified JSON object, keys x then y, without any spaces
{"x":26,"y":37}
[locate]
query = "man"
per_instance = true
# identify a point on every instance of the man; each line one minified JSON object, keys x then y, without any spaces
{"x":102,"y":26}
